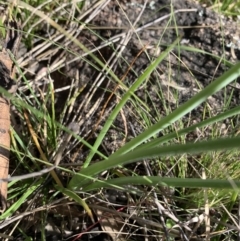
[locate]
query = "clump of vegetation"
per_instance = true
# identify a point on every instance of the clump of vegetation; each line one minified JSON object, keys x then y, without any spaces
{"x":170,"y":175}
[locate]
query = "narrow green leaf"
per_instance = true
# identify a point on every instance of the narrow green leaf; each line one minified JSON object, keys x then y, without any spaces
{"x":227,"y":114}
{"x":21,"y":200}
{"x":125,"y":98}
{"x":76,"y":198}
{"x":195,"y":101}
{"x":154,"y":181}
{"x":182,"y":110}
{"x":140,"y":154}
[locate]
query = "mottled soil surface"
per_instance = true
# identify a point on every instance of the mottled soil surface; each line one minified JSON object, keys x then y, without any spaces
{"x":128,"y":36}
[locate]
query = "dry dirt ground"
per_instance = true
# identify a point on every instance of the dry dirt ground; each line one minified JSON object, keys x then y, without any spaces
{"x":128,"y":36}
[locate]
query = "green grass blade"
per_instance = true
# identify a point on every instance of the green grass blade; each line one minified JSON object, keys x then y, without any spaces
{"x":227,"y":114}
{"x":21,"y":200}
{"x":154,"y":181}
{"x":182,"y":110}
{"x":196,"y":50}
{"x":125,"y":98}
{"x":75,"y":197}
{"x":172,"y":150}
